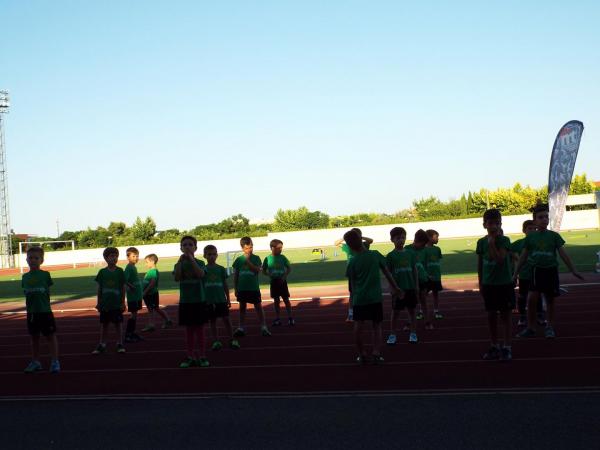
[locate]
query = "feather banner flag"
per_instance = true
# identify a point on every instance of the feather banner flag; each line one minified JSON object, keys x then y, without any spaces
{"x":562,"y":164}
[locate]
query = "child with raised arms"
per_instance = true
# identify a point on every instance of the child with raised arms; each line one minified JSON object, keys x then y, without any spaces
{"x":363,"y":272}
{"x":134,"y":294}
{"x":418,"y":247}
{"x":434,"y":271}
{"x":151,"y":296}
{"x":193,"y":311}
{"x":495,"y":283}
{"x":246,"y":268}
{"x":402,"y":265}
{"x":40,"y":320}
{"x":540,"y":250}
{"x":110,"y":299}
{"x":217,"y":297}
{"x":277,"y":267}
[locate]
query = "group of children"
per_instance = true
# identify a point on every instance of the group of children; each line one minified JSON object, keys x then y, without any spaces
{"x":412,"y":272}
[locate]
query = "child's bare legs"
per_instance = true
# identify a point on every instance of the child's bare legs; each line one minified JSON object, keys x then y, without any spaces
{"x":358,"y":329}
{"x":103,"y":333}
{"x":35,"y":348}
{"x":198,"y":330}
{"x":550,"y":311}
{"x":276,"y":307}
{"x":394,"y":321}
{"x":412,"y":317}
{"x":243,"y":306}
{"x":162,"y":314}
{"x":228,"y":329}
{"x":213,"y":329}
{"x":506,"y":327}
{"x":261,"y":315}
{"x":532,"y":301}
{"x":189,"y":341}
{"x":119,"y":332}
{"x":424,"y":309}
{"x":53,"y":344}
{"x":436,"y":301}
{"x":288,"y":307}
{"x":150,"y":318}
{"x":377,"y":338}
{"x":493,"y":327}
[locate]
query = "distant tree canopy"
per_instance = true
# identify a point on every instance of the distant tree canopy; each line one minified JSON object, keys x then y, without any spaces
{"x":515,"y":200}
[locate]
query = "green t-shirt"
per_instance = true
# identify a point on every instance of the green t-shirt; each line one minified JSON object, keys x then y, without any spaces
{"x":276,"y":266}
{"x":526,"y":272}
{"x":363,"y":271}
{"x":433,"y":258}
{"x":542,"y":247}
{"x":152,"y":274}
{"x":247,"y":280}
{"x":191,"y":288}
{"x":214,"y":284}
{"x":420,"y":262}
{"x":401,"y":264}
{"x":36,"y":285}
{"x":134,"y":294}
{"x":493,"y":273}
{"x":350,"y":253}
{"x":111,"y":284}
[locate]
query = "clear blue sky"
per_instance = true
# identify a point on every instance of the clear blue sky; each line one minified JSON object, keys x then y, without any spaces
{"x":193,"y":111}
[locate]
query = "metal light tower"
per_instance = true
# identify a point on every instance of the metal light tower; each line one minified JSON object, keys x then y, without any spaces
{"x":6,"y":256}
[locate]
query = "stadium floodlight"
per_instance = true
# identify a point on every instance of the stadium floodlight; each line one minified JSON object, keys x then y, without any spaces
{"x":6,"y":256}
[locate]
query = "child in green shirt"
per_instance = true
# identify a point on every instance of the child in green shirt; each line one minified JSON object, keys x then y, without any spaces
{"x":134,"y":294}
{"x":110,"y":299}
{"x":40,"y":320}
{"x":418,"y":247}
{"x":277,"y":267}
{"x":433,"y":256}
{"x":247,"y":290}
{"x":217,"y":296}
{"x":495,"y":283}
{"x":151,"y":296}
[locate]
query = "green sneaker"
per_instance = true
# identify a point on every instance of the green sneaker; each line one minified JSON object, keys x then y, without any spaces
{"x":202,"y":362}
{"x":265,"y":332}
{"x":101,"y":348}
{"x":239,"y":332}
{"x":420,"y":316}
{"x":189,"y":362}
{"x":235,"y":344}
{"x":148,"y":328}
{"x":216,"y":346}
{"x":438,"y":316}
{"x":167,"y":324}
{"x":33,"y":366}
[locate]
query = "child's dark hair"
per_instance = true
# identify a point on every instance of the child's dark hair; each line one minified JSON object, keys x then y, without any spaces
{"x":246,"y":240}
{"x":492,"y":214}
{"x":110,"y":251}
{"x":189,"y":238}
{"x":275,"y":243}
{"x":432,"y":233}
{"x":38,"y":250}
{"x":540,"y":208}
{"x":131,"y":250}
{"x":208,"y":248}
{"x":353,"y":239}
{"x":358,"y":230}
{"x":152,"y":257}
{"x":421,"y":236}
{"x":397,"y":231}
{"x":527,"y":223}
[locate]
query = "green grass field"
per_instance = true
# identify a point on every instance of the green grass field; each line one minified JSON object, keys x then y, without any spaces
{"x":459,"y":261}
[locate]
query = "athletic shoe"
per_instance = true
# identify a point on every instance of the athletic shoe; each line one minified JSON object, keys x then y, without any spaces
{"x":276,"y":323}
{"x":541,"y":321}
{"x":420,"y":316}
{"x":54,"y":366}
{"x":391,"y":340}
{"x":101,"y":348}
{"x":265,"y":332}
{"x":428,"y":326}
{"x":378,"y":360}
{"x":189,"y":362}
{"x":549,"y":333}
{"x":492,"y":354}
{"x":33,"y":366}
{"x":361,"y":360}
{"x":137,"y":337}
{"x":506,"y":354}
{"x":350,"y":318}
{"x":406,"y":327}
{"x":167,"y":324}
{"x":202,"y":362}
{"x":291,"y":322}
{"x":120,"y":348}
{"x":412,"y":338}
{"x":148,"y":328}
{"x":522,"y":322}
{"x":129,"y":339}
{"x":438,"y":316}
{"x":526,"y":333}
{"x":239,"y":332}
{"x":235,"y":344}
{"x":216,"y":346}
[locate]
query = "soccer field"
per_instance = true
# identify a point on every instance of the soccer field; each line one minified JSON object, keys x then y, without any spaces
{"x":307,"y":268}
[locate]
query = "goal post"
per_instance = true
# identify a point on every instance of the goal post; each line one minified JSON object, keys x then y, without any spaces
{"x":23,"y":246}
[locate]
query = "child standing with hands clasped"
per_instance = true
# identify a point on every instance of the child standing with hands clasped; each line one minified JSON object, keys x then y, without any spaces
{"x":277,"y":267}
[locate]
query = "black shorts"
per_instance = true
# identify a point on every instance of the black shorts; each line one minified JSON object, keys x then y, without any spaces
{"x":423,"y":286}
{"x":498,"y":297}
{"x":372,"y":311}
{"x":524,"y":286}
{"x":434,"y":286}
{"x":134,"y":306}
{"x":41,"y":323}
{"x":112,"y":316}
{"x":193,"y":314}
{"x":545,"y":281}
{"x":151,"y":300}
{"x":408,"y":300}
{"x":279,"y":288}
{"x":252,"y":297}
{"x":219,"y":310}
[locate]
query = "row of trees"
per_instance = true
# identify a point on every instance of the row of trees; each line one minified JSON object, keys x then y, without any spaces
{"x":516,"y":200}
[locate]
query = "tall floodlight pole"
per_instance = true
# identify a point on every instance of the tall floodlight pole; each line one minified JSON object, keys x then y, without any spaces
{"x":6,"y":256}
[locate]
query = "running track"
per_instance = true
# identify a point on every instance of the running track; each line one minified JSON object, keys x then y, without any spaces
{"x":315,"y":357}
